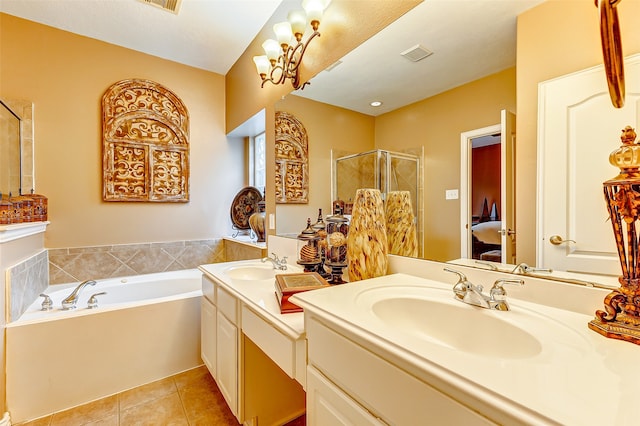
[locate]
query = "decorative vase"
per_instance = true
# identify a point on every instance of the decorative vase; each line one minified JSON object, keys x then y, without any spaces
{"x":401,"y":226}
{"x":367,"y":239}
{"x":256,"y":223}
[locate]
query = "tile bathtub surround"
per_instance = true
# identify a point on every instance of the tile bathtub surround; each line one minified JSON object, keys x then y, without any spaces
{"x":99,"y":262}
{"x":26,"y":281}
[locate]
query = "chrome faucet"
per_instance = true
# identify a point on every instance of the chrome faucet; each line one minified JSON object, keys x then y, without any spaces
{"x":523,"y":268}
{"x":471,"y":294}
{"x":280,"y":264}
{"x":72,"y":299}
{"x":488,"y":265}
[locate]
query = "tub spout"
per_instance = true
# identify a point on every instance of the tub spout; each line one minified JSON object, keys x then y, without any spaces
{"x":72,"y":299}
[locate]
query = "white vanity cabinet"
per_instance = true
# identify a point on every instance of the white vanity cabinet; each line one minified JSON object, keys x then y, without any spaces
{"x":256,"y":355}
{"x":349,"y":384}
{"x":220,"y":340}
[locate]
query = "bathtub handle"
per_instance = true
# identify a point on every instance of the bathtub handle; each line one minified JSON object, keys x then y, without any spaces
{"x":93,"y":300}
{"x":47,"y":303}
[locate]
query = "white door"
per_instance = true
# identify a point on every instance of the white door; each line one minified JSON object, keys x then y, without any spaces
{"x":507,"y":177}
{"x":507,"y":185}
{"x":578,"y":129}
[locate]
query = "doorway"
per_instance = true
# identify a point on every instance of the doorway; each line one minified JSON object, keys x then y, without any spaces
{"x":486,"y":192}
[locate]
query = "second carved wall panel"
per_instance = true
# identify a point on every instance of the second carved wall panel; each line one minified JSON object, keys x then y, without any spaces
{"x":292,"y":160}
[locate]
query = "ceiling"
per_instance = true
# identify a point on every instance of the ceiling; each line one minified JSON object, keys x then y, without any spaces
{"x":469,"y":39}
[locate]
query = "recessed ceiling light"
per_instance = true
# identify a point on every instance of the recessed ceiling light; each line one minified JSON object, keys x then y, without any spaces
{"x":375,"y":103}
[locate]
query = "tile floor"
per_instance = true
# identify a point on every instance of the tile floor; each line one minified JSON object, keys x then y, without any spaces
{"x":189,"y":398}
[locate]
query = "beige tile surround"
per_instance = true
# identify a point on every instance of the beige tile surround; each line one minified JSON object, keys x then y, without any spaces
{"x":82,"y":263}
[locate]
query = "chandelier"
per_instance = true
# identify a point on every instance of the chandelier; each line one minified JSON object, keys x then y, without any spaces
{"x":283,"y":56}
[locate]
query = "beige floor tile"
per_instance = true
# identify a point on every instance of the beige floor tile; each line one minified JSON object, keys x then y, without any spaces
{"x":146,"y":393}
{"x":87,"y":413}
{"x":109,"y":421}
{"x":166,"y":411}
{"x":204,"y":404}
{"x":189,"y":376}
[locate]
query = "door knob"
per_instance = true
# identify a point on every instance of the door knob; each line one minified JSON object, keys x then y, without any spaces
{"x":556,"y":240}
{"x":506,"y":232}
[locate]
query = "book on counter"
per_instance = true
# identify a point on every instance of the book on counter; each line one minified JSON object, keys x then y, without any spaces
{"x":289,"y":284}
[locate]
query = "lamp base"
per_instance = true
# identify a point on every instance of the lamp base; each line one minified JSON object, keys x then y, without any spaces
{"x":617,"y":329}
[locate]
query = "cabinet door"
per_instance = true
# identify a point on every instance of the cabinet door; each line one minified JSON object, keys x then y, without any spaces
{"x":227,"y":361}
{"x":208,"y":335}
{"x":327,"y":405}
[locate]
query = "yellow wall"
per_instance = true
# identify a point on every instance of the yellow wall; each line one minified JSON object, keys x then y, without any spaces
{"x":328,"y":128}
{"x":556,"y":38}
{"x":65,"y":75}
{"x":436,"y":124}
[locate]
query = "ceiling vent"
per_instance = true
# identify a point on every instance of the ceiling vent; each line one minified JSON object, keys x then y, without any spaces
{"x":416,"y":53}
{"x":172,"y":6}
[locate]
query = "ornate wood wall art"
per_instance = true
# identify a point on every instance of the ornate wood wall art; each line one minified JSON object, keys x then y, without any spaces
{"x":292,"y":160}
{"x":145,"y":134}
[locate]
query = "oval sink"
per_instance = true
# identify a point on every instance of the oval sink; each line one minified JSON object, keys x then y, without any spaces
{"x":457,"y":326}
{"x":252,"y":272}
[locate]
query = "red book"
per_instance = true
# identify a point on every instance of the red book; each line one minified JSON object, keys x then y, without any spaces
{"x":289,"y":284}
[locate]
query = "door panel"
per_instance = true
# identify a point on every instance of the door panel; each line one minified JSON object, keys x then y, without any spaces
{"x":578,"y":129}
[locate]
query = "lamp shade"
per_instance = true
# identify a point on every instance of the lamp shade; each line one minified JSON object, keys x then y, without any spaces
{"x":298,"y":21}
{"x":262,"y":64}
{"x":283,"y":32}
{"x":314,"y":9}
{"x":272,"y":49}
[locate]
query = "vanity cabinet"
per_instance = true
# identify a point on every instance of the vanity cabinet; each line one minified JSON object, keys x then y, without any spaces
{"x":349,"y":384}
{"x":220,"y":340}
{"x":255,"y":364}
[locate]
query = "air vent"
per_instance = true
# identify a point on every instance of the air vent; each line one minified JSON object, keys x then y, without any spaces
{"x":416,"y":53}
{"x":172,"y":6}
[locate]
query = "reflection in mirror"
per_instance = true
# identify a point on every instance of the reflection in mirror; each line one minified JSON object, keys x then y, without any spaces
{"x":429,"y":103}
{"x":9,"y":151}
{"x":385,"y":170}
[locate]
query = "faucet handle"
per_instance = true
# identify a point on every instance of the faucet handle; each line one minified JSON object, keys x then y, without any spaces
{"x":93,"y":300}
{"x":462,"y":286}
{"x":498,"y":292}
{"x":47,"y":303}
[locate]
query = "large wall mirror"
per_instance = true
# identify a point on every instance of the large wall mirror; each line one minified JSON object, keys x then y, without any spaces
{"x":427,"y":105}
{"x":9,"y":150}
{"x":16,"y":147}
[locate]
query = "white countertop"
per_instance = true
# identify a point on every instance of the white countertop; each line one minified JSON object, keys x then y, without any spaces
{"x":259,"y":295}
{"x":578,"y":378}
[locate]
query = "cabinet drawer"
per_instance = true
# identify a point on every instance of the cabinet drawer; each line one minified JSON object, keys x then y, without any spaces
{"x":209,"y":289}
{"x":390,"y":393}
{"x":328,"y":405}
{"x":227,"y":304}
{"x":280,"y":348}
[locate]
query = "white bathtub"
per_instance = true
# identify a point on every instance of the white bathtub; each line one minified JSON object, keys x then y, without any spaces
{"x":145,"y":328}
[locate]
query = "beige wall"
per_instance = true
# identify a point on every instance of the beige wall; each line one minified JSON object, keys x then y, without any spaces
{"x":436,"y":124}
{"x":328,"y":128}
{"x":555,"y":38}
{"x":65,"y":76}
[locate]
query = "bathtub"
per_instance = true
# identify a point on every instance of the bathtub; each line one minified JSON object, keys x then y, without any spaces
{"x":145,"y":328}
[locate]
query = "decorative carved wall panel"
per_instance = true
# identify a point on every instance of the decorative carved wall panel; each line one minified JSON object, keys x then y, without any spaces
{"x":145,"y":134}
{"x":292,"y":160}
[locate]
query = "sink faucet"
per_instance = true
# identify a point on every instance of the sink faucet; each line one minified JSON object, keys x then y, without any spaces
{"x":471,"y":294}
{"x":280,"y":264}
{"x":523,"y":268}
{"x":72,"y":299}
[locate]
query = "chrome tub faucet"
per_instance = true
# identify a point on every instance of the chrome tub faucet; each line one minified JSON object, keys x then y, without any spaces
{"x":523,"y":268}
{"x":70,"y":301}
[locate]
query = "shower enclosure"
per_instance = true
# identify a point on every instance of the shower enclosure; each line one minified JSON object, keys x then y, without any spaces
{"x":384,"y":170}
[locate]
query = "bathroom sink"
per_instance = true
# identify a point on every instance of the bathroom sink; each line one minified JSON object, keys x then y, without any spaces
{"x":252,"y":272}
{"x":433,"y":316}
{"x":257,"y":271}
